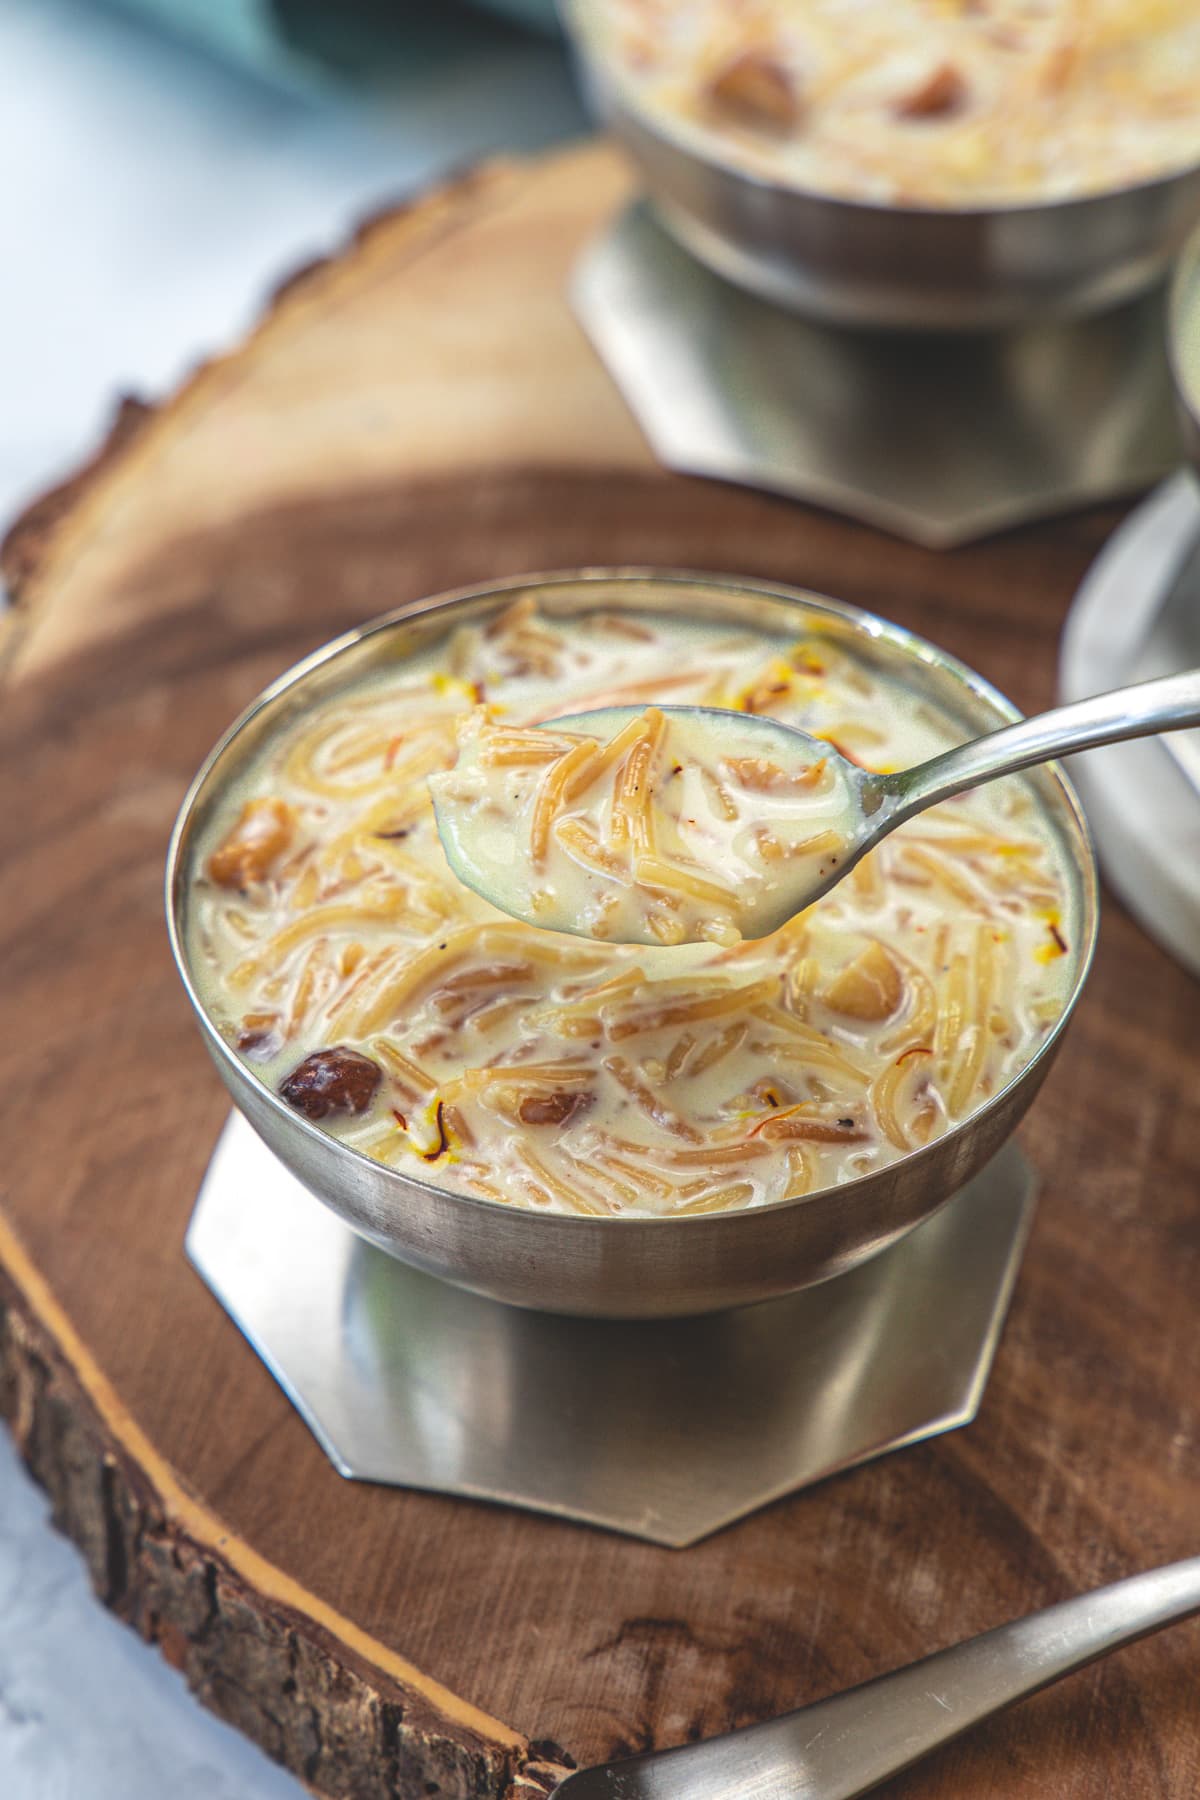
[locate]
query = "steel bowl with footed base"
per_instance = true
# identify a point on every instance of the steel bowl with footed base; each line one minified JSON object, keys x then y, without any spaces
{"x":886,"y":265}
{"x":622,"y":1266}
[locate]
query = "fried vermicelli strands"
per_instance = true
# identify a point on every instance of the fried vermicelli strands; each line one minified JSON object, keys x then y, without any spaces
{"x":721,"y":1199}
{"x":309,"y":987}
{"x":717,"y":1048}
{"x":321,"y":921}
{"x":478,"y":1080}
{"x":716,"y":1155}
{"x":631,"y":795}
{"x":719,"y":794}
{"x":953,"y":878}
{"x":557,"y":778}
{"x":619,"y":626}
{"x":953,"y":1017}
{"x":568,"y":1196}
{"x":408,"y":1078}
{"x":678,"y":1056}
{"x":972,"y":1046}
{"x":800,"y":1175}
{"x":654,"y":872}
{"x":653,"y":1107}
{"x":789,"y":1123}
{"x":575,"y":837}
{"x":708,"y":1002}
{"x":910,"y":1066}
{"x":816,"y":1057}
{"x":637,"y":1175}
{"x":628,"y":694}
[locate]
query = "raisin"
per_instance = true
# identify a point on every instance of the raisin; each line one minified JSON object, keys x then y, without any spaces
{"x":557,"y":1108}
{"x":263,"y":831}
{"x":336,"y":1080}
{"x":757,"y":90}
{"x":942,"y":91}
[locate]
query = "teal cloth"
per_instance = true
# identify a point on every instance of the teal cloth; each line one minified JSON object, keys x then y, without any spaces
{"x":318,"y":44}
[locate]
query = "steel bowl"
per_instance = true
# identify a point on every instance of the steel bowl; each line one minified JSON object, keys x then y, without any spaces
{"x":891,"y":267}
{"x":1183,"y":344}
{"x":626,"y":1267}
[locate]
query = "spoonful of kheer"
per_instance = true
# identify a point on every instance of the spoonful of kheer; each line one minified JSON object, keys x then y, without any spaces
{"x":691,"y":824}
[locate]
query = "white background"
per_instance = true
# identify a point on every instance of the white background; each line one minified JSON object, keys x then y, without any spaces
{"x":148,"y":200}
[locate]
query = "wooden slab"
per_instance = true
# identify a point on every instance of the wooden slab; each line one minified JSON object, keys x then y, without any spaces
{"x":418,"y":413}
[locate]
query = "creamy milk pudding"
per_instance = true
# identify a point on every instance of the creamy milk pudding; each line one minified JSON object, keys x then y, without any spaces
{"x":646,"y":826}
{"x":956,"y":103}
{"x":383,"y":999}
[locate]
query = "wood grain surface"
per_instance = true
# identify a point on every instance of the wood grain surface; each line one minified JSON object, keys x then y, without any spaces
{"x":421,"y":412}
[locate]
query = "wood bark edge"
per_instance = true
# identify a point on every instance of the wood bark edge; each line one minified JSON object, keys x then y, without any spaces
{"x":51,"y":526}
{"x":332,"y":1704}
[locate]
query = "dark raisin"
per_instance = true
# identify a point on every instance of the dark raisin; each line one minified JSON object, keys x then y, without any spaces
{"x":336,"y":1080}
{"x":551,"y":1109}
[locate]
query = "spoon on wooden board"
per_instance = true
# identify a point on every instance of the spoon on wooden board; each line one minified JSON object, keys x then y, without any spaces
{"x":846,"y":1745}
{"x":821,"y":813}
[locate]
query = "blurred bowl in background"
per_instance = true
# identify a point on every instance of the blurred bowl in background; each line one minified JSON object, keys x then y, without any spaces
{"x":891,"y":267}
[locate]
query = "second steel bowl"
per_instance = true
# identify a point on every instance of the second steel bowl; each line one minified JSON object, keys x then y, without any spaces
{"x":1183,"y":342}
{"x":623,"y":1267}
{"x":892,"y":267}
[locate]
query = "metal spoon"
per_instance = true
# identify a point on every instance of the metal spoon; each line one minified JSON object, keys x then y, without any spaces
{"x":847,"y":1745}
{"x":874,"y":804}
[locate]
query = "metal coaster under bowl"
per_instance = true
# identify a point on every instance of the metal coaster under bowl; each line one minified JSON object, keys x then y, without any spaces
{"x":666,"y":1430}
{"x":940,"y":439}
{"x":1136,"y":616}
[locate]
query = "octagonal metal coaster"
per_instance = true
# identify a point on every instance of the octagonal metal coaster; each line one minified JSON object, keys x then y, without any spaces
{"x":940,"y":439}
{"x":665,"y":1430}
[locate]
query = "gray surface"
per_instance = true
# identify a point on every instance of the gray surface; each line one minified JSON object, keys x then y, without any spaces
{"x":151,"y":199}
{"x":149,"y":202}
{"x":938,"y":439}
{"x":86,"y":1711}
{"x":662,"y":1429}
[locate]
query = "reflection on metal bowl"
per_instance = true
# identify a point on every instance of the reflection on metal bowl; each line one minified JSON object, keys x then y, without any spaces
{"x":893,"y":267}
{"x":1184,"y":344}
{"x":627,"y":1267}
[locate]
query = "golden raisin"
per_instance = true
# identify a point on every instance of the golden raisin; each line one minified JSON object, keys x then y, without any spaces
{"x":757,"y":90}
{"x":942,"y":91}
{"x":869,"y":988}
{"x":262,"y":833}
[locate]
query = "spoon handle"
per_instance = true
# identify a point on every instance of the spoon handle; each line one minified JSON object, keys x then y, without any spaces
{"x":1167,"y":704}
{"x":845,"y":1746}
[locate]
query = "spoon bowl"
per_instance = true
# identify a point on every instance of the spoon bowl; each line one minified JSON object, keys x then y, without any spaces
{"x":490,"y":851}
{"x":760,"y":818}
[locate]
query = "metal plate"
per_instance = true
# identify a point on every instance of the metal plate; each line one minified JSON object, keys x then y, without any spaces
{"x":939,"y":439}
{"x":663,"y":1429}
{"x":1137,"y":615}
